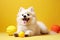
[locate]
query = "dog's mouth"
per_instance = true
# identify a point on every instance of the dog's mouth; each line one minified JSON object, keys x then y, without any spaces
{"x":26,"y":19}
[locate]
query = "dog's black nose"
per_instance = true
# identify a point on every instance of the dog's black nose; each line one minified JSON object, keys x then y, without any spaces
{"x":24,"y":16}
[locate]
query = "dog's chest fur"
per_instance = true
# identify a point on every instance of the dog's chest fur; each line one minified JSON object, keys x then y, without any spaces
{"x":33,"y":27}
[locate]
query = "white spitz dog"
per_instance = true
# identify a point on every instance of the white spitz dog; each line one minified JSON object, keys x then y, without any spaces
{"x":26,"y":21}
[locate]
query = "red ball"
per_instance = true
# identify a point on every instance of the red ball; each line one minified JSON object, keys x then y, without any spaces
{"x":55,"y":28}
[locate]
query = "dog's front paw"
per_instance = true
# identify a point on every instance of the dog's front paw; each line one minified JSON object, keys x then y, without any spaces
{"x":29,"y":33}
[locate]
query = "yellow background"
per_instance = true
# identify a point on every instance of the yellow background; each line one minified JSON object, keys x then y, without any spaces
{"x":47,"y":11}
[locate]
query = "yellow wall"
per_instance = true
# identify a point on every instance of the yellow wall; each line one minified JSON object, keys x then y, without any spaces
{"x":47,"y":11}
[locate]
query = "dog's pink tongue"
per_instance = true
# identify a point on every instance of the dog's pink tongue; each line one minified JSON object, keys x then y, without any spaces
{"x":24,"y":22}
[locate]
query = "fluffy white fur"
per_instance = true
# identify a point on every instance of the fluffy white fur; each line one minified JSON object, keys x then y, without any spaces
{"x":32,"y":26}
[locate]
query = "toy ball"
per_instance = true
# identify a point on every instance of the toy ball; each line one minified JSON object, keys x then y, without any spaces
{"x":21,"y":34}
{"x":55,"y":28}
{"x":10,"y":30}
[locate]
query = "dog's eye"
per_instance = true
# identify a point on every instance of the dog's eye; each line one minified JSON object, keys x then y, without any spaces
{"x":28,"y":14}
{"x":22,"y":15}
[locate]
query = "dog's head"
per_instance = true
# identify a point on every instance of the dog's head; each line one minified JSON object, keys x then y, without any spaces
{"x":26,"y":16}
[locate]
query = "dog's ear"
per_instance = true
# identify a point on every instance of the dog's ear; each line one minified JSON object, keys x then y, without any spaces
{"x":31,"y":9}
{"x":21,"y":9}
